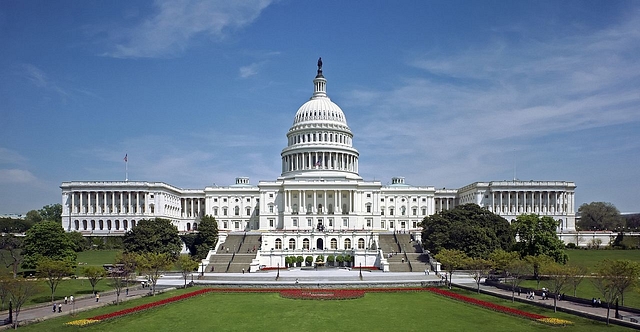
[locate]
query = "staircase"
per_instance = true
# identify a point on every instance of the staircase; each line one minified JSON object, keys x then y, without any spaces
{"x":235,"y":254}
{"x":405,"y":247}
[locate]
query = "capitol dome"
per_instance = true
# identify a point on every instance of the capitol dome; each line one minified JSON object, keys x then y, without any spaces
{"x":320,"y":141}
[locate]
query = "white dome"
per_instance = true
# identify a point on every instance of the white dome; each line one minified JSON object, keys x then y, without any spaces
{"x":319,"y":109}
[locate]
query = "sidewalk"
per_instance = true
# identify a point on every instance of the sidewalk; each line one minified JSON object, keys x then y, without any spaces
{"x":43,"y":311}
{"x":597,"y":313}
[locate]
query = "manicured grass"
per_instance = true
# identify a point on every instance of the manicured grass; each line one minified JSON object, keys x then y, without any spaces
{"x":591,"y":258}
{"x":75,"y":287}
{"x":269,"y":312}
{"x":95,"y":258}
{"x":587,"y":290}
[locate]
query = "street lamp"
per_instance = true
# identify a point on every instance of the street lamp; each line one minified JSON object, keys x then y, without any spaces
{"x":360,"y":270}
{"x":278,"y":275}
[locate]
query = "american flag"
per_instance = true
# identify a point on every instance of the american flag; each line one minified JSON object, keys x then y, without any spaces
{"x":125,"y":158}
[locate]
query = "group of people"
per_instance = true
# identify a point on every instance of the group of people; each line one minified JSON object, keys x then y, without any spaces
{"x":596,"y":302}
{"x":67,"y":300}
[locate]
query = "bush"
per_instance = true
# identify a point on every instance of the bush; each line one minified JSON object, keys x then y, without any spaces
{"x":571,"y":245}
{"x":308,"y":260}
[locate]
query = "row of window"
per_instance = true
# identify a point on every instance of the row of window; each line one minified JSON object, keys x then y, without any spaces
{"x":333,"y":244}
{"x":236,"y":211}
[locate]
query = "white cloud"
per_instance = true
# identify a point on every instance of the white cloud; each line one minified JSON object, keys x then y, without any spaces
{"x":468,"y":107}
{"x":40,"y":79}
{"x":250,"y":70}
{"x":169,"y":31}
{"x":16,"y":176}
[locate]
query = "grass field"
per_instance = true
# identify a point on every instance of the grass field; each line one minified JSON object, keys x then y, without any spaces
{"x":269,"y":312}
{"x":591,"y":258}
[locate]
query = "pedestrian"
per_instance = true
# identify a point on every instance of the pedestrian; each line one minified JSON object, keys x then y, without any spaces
{"x":127,"y":291}
{"x":66,"y":300}
{"x":55,"y":306}
{"x":519,"y":290}
{"x":97,"y":297}
{"x":425,"y":271}
{"x":599,"y":303}
{"x":60,"y":308}
{"x":243,"y":270}
{"x":71,"y":299}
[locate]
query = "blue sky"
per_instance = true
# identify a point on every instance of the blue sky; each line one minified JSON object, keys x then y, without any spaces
{"x":444,"y":93}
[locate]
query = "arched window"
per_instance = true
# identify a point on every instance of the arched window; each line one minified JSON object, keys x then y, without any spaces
{"x":215,"y":211}
{"x":101,"y":224}
{"x":330,"y":209}
{"x":188,"y":226}
{"x":292,"y":244}
{"x":403,"y":210}
{"x":77,"y":225}
{"x":195,"y":226}
{"x":133,"y":223}
{"x":117,"y":224}
{"x":347,"y":243}
{"x":109,"y":224}
{"x":319,"y":208}
{"x":84,"y":225}
{"x":305,"y":244}
{"x":278,"y":243}
{"x":334,"y":243}
{"x":360,"y":243}
{"x":237,"y":211}
{"x":295,"y":208}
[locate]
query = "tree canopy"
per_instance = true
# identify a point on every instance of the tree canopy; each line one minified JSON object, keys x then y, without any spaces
{"x":469,"y":228}
{"x":537,"y":236}
{"x":153,"y":235}
{"x":207,"y":236}
{"x":599,"y":216}
{"x":47,"y":239}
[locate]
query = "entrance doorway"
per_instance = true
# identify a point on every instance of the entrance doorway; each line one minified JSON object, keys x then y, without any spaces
{"x":320,"y":244}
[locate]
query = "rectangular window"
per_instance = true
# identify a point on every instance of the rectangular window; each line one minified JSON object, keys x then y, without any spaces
{"x":415,"y":224}
{"x":295,"y":222}
{"x":345,"y":222}
{"x":368,"y":222}
{"x":382,"y":224}
{"x":391,"y":224}
{"x":309,"y":222}
{"x":415,"y":212}
{"x":237,"y":225}
{"x":271,"y":222}
{"x":225,"y":224}
{"x":368,"y":195}
{"x":330,"y":222}
{"x":368,"y":208}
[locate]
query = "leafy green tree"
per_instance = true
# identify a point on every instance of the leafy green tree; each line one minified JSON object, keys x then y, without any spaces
{"x":5,"y":281}
{"x":153,"y":264}
{"x":501,"y":259}
{"x":53,"y":271}
{"x":153,"y":236}
{"x":187,"y":265}
{"x":559,"y":279}
{"x":10,"y":225}
{"x":33,"y":217}
{"x":613,"y":278}
{"x":451,"y":260}
{"x":479,"y":267}
{"x":47,"y":239}
{"x":537,"y":236}
{"x":80,"y":243}
{"x":207,"y":236}
{"x":599,"y":216}
{"x":51,"y":212}
{"x":11,"y":252}
{"x":537,"y":263}
{"x":299,"y":260}
{"x":94,"y":274}
{"x":126,"y":264}
{"x":331,"y":259}
{"x":474,"y":230}
{"x":516,"y":270}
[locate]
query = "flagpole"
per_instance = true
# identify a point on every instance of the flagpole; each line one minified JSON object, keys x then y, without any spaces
{"x":126,"y":167}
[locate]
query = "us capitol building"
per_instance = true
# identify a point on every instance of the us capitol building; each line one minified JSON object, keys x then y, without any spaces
{"x":318,"y":203}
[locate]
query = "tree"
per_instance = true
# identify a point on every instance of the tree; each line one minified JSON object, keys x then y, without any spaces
{"x":12,"y":247}
{"x":152,"y":264}
{"x":21,"y":290}
{"x":451,"y":260}
{"x":51,"y":212}
{"x":186,"y":265}
{"x":53,"y":271}
{"x":79,"y":241}
{"x":47,"y":239}
{"x":479,"y":267}
{"x":577,"y":274}
{"x":537,"y":263}
{"x":599,"y":216}
{"x":516,"y":270}
{"x":559,"y":278}
{"x":10,"y":225}
{"x":153,"y":236}
{"x":125,"y":264}
{"x":94,"y":274}
{"x":474,"y":230}
{"x":207,"y":236}
{"x":537,"y":236}
{"x":33,"y":217}
{"x":501,"y":259}
{"x":5,"y":281}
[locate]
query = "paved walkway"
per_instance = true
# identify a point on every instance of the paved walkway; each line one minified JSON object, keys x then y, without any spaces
{"x":82,"y":303}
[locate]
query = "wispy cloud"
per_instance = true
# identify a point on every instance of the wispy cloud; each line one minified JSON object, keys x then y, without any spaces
{"x":41,"y":80}
{"x":16,"y":176}
{"x":250,"y":70}
{"x":169,"y":31}
{"x":465,"y":107}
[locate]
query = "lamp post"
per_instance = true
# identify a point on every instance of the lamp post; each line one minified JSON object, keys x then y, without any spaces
{"x":278,"y":275}
{"x":360,"y":270}
{"x":202,"y":266}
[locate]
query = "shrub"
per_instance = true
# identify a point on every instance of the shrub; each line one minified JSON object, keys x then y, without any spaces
{"x":571,"y":245}
{"x":308,"y":260}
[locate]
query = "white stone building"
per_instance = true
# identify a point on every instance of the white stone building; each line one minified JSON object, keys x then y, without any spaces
{"x":318,"y":202}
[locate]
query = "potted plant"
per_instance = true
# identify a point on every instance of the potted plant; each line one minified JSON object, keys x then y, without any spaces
{"x":308,"y":260}
{"x":331,"y":259}
{"x":340,"y":260}
{"x":299,"y":261}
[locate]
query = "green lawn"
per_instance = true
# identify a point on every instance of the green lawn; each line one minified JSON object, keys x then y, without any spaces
{"x":591,"y":258}
{"x":269,"y":312}
{"x":95,"y":258}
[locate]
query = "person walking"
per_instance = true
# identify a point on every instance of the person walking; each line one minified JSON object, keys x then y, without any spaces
{"x":97,"y":297}
{"x":55,"y":306}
